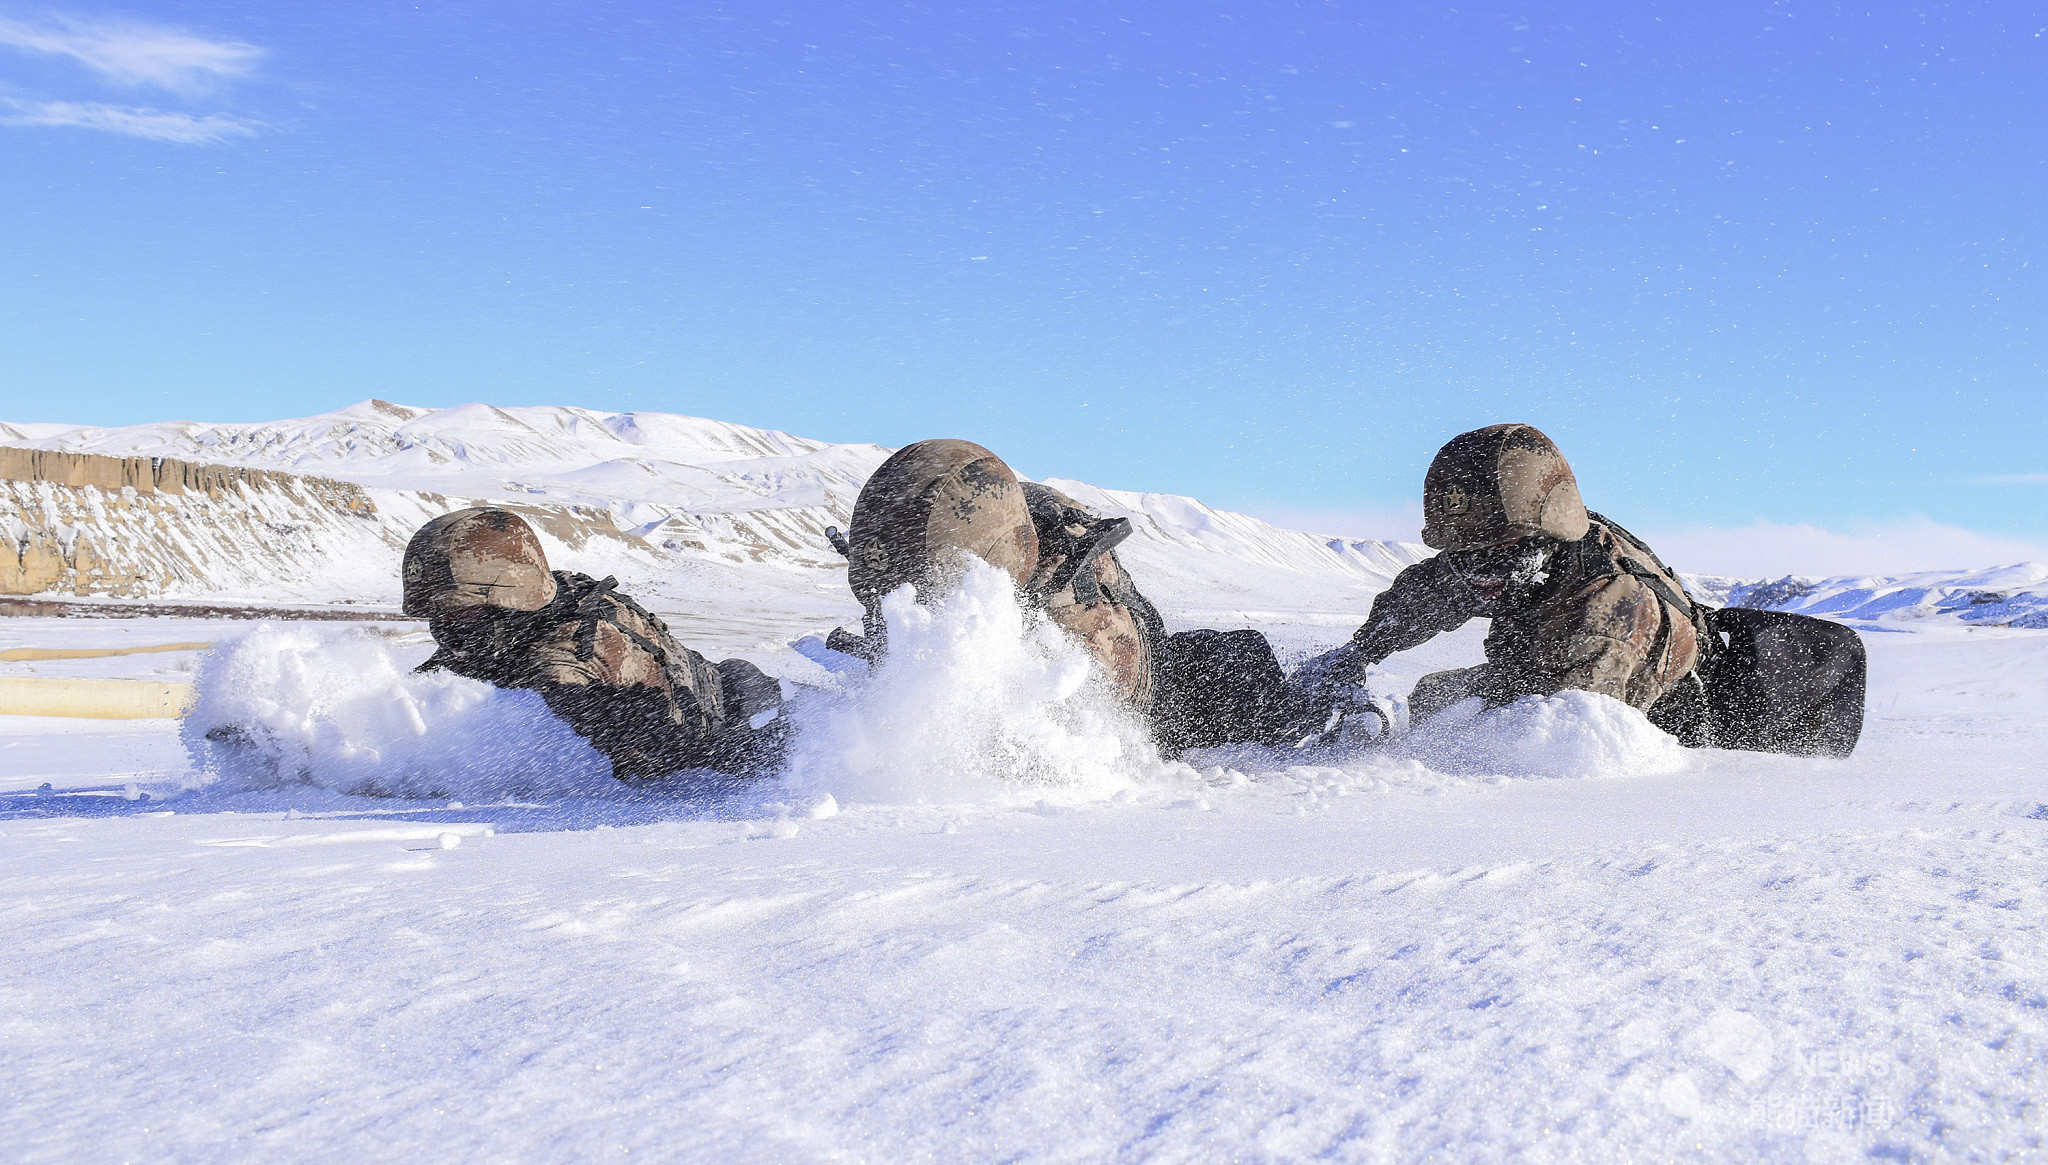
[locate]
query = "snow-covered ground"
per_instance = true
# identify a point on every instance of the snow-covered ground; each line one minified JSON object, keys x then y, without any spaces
{"x":977,"y":918}
{"x":1632,"y":953}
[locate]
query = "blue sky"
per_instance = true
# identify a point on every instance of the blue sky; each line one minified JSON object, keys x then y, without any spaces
{"x":1758,"y":267}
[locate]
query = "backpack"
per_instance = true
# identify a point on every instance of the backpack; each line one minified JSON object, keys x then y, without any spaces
{"x":1085,"y":591}
{"x":1767,"y":681}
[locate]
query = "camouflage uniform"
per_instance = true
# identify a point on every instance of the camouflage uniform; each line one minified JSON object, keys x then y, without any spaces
{"x":935,"y":499}
{"x":603,"y":663}
{"x":1596,"y":610}
{"x":1198,"y":688}
{"x":1085,"y":591}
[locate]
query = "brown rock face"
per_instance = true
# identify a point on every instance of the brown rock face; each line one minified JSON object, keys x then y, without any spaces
{"x":93,"y":525}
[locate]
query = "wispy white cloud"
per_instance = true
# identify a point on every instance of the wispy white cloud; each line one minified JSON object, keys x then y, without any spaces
{"x":2016,"y":479}
{"x":142,"y":123}
{"x":1772,"y":550}
{"x":133,"y":53}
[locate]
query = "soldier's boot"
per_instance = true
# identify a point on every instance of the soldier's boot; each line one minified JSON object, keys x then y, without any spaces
{"x":926,"y":513}
{"x":755,"y":731}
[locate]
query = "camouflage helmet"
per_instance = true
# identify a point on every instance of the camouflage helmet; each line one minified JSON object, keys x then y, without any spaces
{"x":474,"y":559}
{"x":1497,"y":483}
{"x":926,"y":504}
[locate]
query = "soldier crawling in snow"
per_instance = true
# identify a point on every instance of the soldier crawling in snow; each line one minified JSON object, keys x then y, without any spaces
{"x":604,"y":664}
{"x":934,"y":502}
{"x":1577,"y":602}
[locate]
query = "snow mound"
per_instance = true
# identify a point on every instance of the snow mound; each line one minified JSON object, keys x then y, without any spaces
{"x":976,"y":700}
{"x":1571,"y":734}
{"x":337,"y":710}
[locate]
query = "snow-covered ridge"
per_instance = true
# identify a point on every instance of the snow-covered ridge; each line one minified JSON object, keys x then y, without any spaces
{"x":688,"y":510}
{"x":571,"y":455}
{"x":692,"y":512}
{"x":2000,"y":596}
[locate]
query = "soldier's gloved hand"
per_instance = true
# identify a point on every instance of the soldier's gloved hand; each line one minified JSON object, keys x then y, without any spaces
{"x":1326,"y":691}
{"x":1376,"y":692}
{"x":1358,"y":705}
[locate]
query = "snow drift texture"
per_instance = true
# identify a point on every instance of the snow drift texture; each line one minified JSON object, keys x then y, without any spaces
{"x":1571,"y":734}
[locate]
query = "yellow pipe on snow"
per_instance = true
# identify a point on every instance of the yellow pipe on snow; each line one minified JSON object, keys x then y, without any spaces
{"x":18,"y":654}
{"x":96,"y":699}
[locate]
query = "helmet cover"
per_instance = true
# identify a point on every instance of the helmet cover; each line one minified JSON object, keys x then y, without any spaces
{"x":475,"y":559}
{"x":928,"y":505}
{"x":1498,"y":483}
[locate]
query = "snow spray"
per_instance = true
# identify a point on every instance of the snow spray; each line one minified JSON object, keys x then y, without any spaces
{"x":977,"y":699}
{"x":296,"y":706}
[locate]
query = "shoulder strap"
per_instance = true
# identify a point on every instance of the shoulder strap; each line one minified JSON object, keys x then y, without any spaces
{"x":1638,"y":543}
{"x":1656,"y":582}
{"x":1102,"y":536}
{"x":589,"y":608}
{"x":1661,"y":583}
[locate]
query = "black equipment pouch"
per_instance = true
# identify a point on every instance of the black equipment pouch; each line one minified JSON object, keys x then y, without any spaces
{"x":1779,"y":682}
{"x":1767,"y":681}
{"x":1221,"y":687}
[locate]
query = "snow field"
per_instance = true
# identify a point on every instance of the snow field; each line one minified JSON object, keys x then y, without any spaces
{"x":882,"y":989}
{"x":1362,"y":955}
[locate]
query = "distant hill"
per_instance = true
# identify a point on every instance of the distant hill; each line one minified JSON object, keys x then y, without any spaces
{"x":2000,"y":596}
{"x":708,"y":520}
{"x":699,"y":517}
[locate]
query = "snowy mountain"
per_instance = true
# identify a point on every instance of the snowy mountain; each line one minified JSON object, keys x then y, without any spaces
{"x":691,"y":514}
{"x":654,"y":474}
{"x":697,"y":515}
{"x":1999,"y":596}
